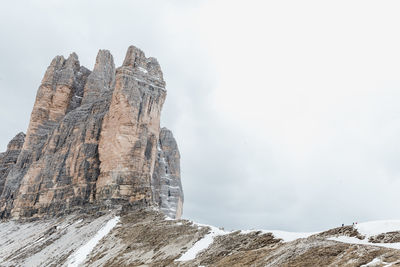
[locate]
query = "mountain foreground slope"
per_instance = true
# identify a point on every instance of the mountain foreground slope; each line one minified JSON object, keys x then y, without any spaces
{"x":146,"y":237}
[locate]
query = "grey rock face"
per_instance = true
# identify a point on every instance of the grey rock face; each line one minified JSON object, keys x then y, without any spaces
{"x":56,"y":96}
{"x":102,"y":78}
{"x":166,"y":180}
{"x":9,"y":158}
{"x":135,"y":59}
{"x":92,"y":140}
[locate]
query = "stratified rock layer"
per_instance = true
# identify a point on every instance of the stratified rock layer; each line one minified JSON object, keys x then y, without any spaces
{"x":130,"y":130}
{"x":92,"y":140}
{"x":167,"y":187}
{"x":9,"y":158}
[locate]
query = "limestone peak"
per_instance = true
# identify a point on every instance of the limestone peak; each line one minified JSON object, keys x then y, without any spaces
{"x":93,"y":142}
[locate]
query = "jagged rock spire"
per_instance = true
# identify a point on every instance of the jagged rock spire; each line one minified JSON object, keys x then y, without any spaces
{"x":134,"y":57}
{"x":136,"y":60}
{"x":135,"y":108}
{"x":92,"y":140}
{"x":102,"y":78}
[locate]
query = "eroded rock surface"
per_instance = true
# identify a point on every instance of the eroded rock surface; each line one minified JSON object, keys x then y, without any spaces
{"x":92,"y":140}
{"x":143,"y":237}
{"x":347,"y":230}
{"x":390,"y":237}
{"x":9,"y":158}
{"x":166,"y":181}
{"x":130,"y":131}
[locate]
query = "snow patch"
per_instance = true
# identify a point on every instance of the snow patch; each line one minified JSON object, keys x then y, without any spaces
{"x":207,"y":240}
{"x":353,"y":240}
{"x":81,"y":254}
{"x":151,"y":84}
{"x":142,"y":69}
{"x":373,"y":228}
{"x":285,"y":236}
{"x":290,"y":236}
{"x":374,"y":262}
{"x":202,"y":244}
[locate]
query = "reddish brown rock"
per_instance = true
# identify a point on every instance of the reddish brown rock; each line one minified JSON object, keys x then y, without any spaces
{"x":129,"y":136}
{"x":92,"y":138}
{"x":59,"y":93}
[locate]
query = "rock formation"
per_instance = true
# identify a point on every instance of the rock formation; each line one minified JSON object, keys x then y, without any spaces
{"x":93,"y":141}
{"x":9,"y":158}
{"x":167,"y":189}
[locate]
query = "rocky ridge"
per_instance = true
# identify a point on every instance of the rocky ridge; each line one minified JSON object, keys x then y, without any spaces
{"x":146,"y":237}
{"x":94,"y":140}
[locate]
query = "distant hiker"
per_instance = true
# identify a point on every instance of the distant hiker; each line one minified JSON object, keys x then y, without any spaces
{"x":342,"y":224}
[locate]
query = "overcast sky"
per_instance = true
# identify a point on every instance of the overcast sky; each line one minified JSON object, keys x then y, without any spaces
{"x":286,"y":113}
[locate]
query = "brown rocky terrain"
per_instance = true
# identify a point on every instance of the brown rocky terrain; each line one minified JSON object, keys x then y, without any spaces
{"x":143,"y":237}
{"x":389,"y":237}
{"x":347,"y":230}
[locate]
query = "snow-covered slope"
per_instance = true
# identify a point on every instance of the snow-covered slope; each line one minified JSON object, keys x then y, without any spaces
{"x":43,"y":243}
{"x":147,"y":238}
{"x":203,"y":243}
{"x":374,"y":228}
{"x":375,"y":233}
{"x":81,"y":254}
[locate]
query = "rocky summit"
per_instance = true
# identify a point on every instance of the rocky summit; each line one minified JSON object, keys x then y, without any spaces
{"x":94,"y":141}
{"x":96,"y":182}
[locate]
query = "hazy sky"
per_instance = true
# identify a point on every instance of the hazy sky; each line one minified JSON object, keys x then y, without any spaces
{"x":286,"y":113}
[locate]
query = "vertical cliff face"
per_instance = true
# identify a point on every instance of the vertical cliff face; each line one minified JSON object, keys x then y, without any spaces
{"x":130,"y":131}
{"x":92,"y":139}
{"x":166,"y":180}
{"x":9,"y":158}
{"x":60,"y":91}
